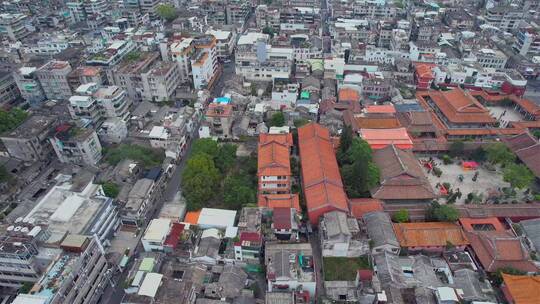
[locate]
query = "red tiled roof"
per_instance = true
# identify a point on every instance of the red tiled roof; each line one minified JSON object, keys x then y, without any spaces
{"x":321,"y":178}
{"x":424,"y":70}
{"x":281,"y":218}
{"x":468,"y":222}
{"x":380,"y":138}
{"x":361,"y":206}
{"x":253,"y":237}
{"x":429,"y":234}
{"x":273,"y":201}
{"x":499,"y":249}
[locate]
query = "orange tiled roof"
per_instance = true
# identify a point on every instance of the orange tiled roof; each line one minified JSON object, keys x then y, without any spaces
{"x":361,"y":206}
{"x":192,"y":217}
{"x":522,"y":289}
{"x":279,"y":201}
{"x":424,"y":69}
{"x":459,"y":106}
{"x":380,"y":138}
{"x":219,"y":110}
{"x":347,"y":94}
{"x":429,"y":234}
{"x":321,"y":178}
{"x":285,"y":139}
{"x":387,"y":108}
{"x":370,"y":122}
{"x":499,"y":249}
{"x":468,"y":222}
{"x":273,"y":160}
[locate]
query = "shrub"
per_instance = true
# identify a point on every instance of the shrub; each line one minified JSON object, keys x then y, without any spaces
{"x":447,"y":160}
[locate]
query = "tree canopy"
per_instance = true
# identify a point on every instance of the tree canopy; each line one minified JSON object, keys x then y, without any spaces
{"x":498,"y":153}
{"x":277,"y":120}
{"x":205,"y":145}
{"x":146,"y":156}
{"x":345,"y":142}
{"x":167,"y":12}
{"x":401,"y":216}
{"x":358,"y":171}
{"x":200,"y":180}
{"x":226,"y":157}
{"x":237,"y":191}
{"x":269,"y":31}
{"x":11,"y":119}
{"x":110,"y":189}
{"x":456,"y":149}
{"x":519,"y":176}
{"x":4,"y":175}
{"x":442,"y":213}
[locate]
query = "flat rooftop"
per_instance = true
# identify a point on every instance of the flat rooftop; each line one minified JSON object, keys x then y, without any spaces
{"x":32,"y":126}
{"x":66,"y":211}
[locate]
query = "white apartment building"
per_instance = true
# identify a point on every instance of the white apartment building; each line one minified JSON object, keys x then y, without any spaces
{"x":155,"y":235}
{"x":225,"y":42}
{"x":160,"y":82}
{"x":181,"y":53}
{"x":527,"y":42}
{"x":113,"y":101}
{"x":114,"y":53}
{"x":53,"y":78}
{"x":113,"y":130}
{"x":506,"y":18}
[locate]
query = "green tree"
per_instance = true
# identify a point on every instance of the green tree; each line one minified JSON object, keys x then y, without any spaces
{"x":226,"y":157}
{"x":110,"y":189}
{"x":11,"y":119}
{"x":497,"y":276}
{"x":269,"y":31}
{"x":277,"y":120}
{"x":359,"y":150}
{"x":345,"y":142}
{"x":237,"y":192}
{"x":401,"y":216}
{"x":167,"y":12}
{"x":478,"y":155}
{"x":498,"y":153}
{"x":519,"y":176}
{"x":358,"y":171}
{"x":207,"y":146}
{"x":536,"y":133}
{"x":200,"y":181}
{"x":456,"y":149}
{"x":146,"y":156}
{"x":26,"y":287}
{"x":300,"y":122}
{"x":442,"y":213}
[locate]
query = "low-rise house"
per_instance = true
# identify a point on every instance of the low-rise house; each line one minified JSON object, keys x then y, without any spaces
{"x":431,"y":236}
{"x":531,"y":229}
{"x":248,"y":248}
{"x":232,"y":279}
{"x":340,"y":236}
{"x":285,"y":224}
{"x":380,"y":232}
{"x":219,"y":117}
{"x":290,"y":267}
{"x":206,"y":250}
{"x":161,"y":235}
{"x":470,"y":286}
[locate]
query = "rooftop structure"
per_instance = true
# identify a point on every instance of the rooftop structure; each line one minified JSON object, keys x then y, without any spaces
{"x":430,"y":235}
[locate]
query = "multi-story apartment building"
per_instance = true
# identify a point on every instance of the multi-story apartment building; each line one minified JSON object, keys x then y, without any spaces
{"x":225,"y":42}
{"x":13,"y":26}
{"x":9,"y":93}
{"x":127,"y":75}
{"x":237,"y":11}
{"x":113,"y":102}
{"x":159,"y":83}
{"x":204,"y":62}
{"x":96,"y":7}
{"x":76,"y":145}
{"x":53,"y":78}
{"x":83,"y":104}
{"x":506,"y":18}
{"x":79,"y":275}
{"x":19,"y":252}
{"x":527,"y":42}
{"x":76,"y":11}
{"x":149,"y":7}
{"x":274,"y":169}
{"x":220,"y":119}
{"x":258,"y":61}
{"x":371,"y":9}
{"x":490,"y":58}
{"x":87,"y":74}
{"x":267,"y":17}
{"x":181,"y":53}
{"x":113,"y":54}
{"x":29,"y":141}
{"x":29,"y":85}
